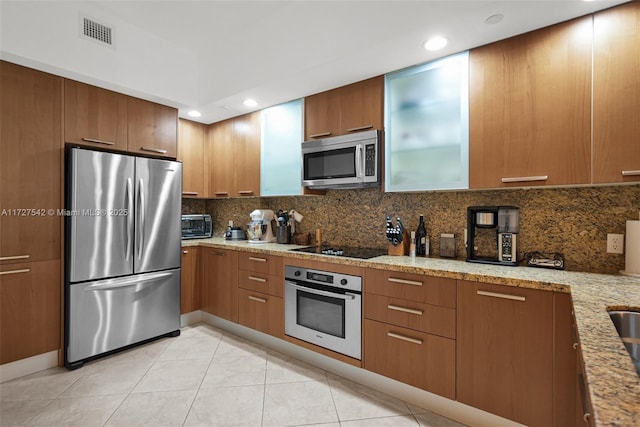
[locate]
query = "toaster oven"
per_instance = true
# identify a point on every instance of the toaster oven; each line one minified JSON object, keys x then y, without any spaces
{"x":197,"y":226}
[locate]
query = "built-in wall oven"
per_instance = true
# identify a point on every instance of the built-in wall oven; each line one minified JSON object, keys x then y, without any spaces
{"x":324,"y":308}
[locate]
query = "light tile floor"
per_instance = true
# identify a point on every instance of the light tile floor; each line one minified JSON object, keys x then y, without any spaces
{"x":204,"y":377}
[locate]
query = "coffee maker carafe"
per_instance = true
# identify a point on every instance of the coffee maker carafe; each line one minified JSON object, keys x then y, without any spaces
{"x":492,"y":233}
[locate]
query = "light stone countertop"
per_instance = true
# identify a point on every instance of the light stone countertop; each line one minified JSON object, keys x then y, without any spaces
{"x":614,"y":386}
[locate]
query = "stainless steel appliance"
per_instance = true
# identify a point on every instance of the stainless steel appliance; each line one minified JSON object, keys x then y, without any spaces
{"x":492,"y":234}
{"x":196,"y":226}
{"x":324,"y":308}
{"x":122,"y":244}
{"x":346,"y":161}
{"x":235,"y":233}
{"x":259,"y":229}
{"x":343,"y":251}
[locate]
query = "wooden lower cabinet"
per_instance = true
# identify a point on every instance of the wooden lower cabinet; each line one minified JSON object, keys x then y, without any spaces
{"x":505,"y":351}
{"x":220,"y":282}
{"x":29,"y":309}
{"x":261,"y":312}
{"x":189,"y":281}
{"x":422,"y":360}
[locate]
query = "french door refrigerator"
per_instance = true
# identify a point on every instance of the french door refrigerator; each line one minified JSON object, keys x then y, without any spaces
{"x":122,"y":246}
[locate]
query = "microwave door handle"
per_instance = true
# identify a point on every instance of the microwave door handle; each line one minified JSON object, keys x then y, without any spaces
{"x":323,"y":293}
{"x":359,"y":161}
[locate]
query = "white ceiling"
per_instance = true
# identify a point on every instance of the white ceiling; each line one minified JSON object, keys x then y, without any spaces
{"x":211,"y":55}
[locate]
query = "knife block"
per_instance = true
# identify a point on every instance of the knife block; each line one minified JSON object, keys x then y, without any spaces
{"x":402,"y":248}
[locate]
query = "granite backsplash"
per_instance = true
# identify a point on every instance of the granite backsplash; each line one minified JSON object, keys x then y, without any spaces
{"x":574,"y":221}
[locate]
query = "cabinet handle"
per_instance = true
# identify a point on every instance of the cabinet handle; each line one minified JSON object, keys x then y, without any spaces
{"x":526,"y":178}
{"x":252,"y":298}
{"x":405,"y":310}
{"x":320,"y":135}
{"x":404,"y":281}
{"x":7,"y":258}
{"x":631,"y":173}
{"x":24,"y":270}
{"x":403,"y":338}
{"x":98,"y":141}
{"x":245,"y":192}
{"x":258,"y":279}
{"x":221,"y":193}
{"x":503,"y":296}
{"x":219,"y":253}
{"x":257,"y":259}
{"x":189,"y":193}
{"x":359,"y":128}
{"x":154,"y":150}
{"x":185,"y":252}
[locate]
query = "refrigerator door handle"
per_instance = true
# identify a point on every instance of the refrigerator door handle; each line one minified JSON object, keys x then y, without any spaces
{"x":107,"y":285}
{"x":140,"y":210}
{"x":128,"y":225}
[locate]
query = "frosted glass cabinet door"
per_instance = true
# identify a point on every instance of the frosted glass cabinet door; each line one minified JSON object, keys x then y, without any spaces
{"x":280,"y":150}
{"x":427,"y":126}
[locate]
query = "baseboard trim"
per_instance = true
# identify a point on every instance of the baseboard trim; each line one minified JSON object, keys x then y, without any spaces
{"x":190,"y":318}
{"x":432,"y":402}
{"x":29,"y":365}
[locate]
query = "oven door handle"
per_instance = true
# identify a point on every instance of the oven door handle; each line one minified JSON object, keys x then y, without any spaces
{"x":346,"y":296}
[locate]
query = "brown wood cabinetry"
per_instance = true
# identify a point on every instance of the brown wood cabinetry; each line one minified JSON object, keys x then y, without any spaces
{"x":152,"y":129}
{"x":347,"y":109}
{"x":505,"y":351}
{"x":189,"y":280}
{"x":220,"y":282}
{"x":565,"y":346}
{"x":260,"y":297}
{"x":31,"y":158}
{"x":234,"y":157}
{"x":29,"y":309}
{"x":410,"y":329}
{"x":530,"y":108}
{"x":94,"y":116}
{"x":191,"y":138}
{"x":616,"y":94}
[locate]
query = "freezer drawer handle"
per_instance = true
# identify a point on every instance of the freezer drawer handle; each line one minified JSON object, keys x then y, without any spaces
{"x":631,"y":173}
{"x":98,"y":141}
{"x":403,"y":338}
{"x":257,"y":279}
{"x":154,"y":150}
{"x":110,"y":284}
{"x":7,"y":258}
{"x":404,"y":281}
{"x":503,"y":296}
{"x":405,"y":309}
{"x":24,"y":270}
{"x":252,"y":298}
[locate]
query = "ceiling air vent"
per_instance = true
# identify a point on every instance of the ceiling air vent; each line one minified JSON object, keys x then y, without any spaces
{"x":96,"y":31}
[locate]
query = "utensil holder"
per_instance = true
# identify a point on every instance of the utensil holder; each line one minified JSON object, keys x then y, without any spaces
{"x":402,"y":248}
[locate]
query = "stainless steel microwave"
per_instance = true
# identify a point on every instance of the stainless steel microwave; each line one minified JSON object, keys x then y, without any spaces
{"x":346,"y":161}
{"x":197,"y":226}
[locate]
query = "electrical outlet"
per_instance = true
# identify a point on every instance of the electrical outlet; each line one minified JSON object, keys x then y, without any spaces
{"x":615,"y":243}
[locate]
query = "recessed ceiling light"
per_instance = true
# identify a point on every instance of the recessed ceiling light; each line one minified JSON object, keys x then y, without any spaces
{"x":250,"y":103}
{"x":494,"y":19}
{"x":194,"y":113}
{"x":435,"y":43}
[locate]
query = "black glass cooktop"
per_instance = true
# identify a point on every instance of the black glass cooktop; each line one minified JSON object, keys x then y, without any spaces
{"x":362,"y":253}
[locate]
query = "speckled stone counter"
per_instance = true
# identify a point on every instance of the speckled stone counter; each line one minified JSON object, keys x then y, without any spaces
{"x":614,"y":386}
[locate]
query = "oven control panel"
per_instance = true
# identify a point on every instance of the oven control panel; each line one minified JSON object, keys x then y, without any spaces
{"x":319,"y":277}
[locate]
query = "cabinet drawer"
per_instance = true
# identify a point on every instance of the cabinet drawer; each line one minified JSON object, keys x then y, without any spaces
{"x":428,"y":318}
{"x":260,"y":263}
{"x":412,"y":287}
{"x":261,"y":312}
{"x":260,"y":282}
{"x":421,"y":360}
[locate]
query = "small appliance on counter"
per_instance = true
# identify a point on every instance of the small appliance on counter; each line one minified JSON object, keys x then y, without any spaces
{"x":492,"y":234}
{"x":196,"y":226}
{"x":235,"y":233}
{"x":259,"y":230}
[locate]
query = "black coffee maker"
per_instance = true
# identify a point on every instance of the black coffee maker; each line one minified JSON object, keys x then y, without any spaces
{"x":492,"y":233}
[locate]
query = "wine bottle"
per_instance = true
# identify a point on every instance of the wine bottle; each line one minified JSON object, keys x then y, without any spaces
{"x":421,"y":238}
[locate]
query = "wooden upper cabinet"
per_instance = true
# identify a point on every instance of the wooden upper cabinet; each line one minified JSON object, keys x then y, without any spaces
{"x":219,"y":154}
{"x":347,"y":109}
{"x":362,"y":105}
{"x":191,"y":138}
{"x":530,"y":108}
{"x":152,"y":128}
{"x":94,"y":116}
{"x":616,"y":94}
{"x":31,"y":157}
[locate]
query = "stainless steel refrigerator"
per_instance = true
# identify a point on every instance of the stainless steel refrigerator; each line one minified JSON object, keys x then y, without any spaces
{"x":122,"y":247}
